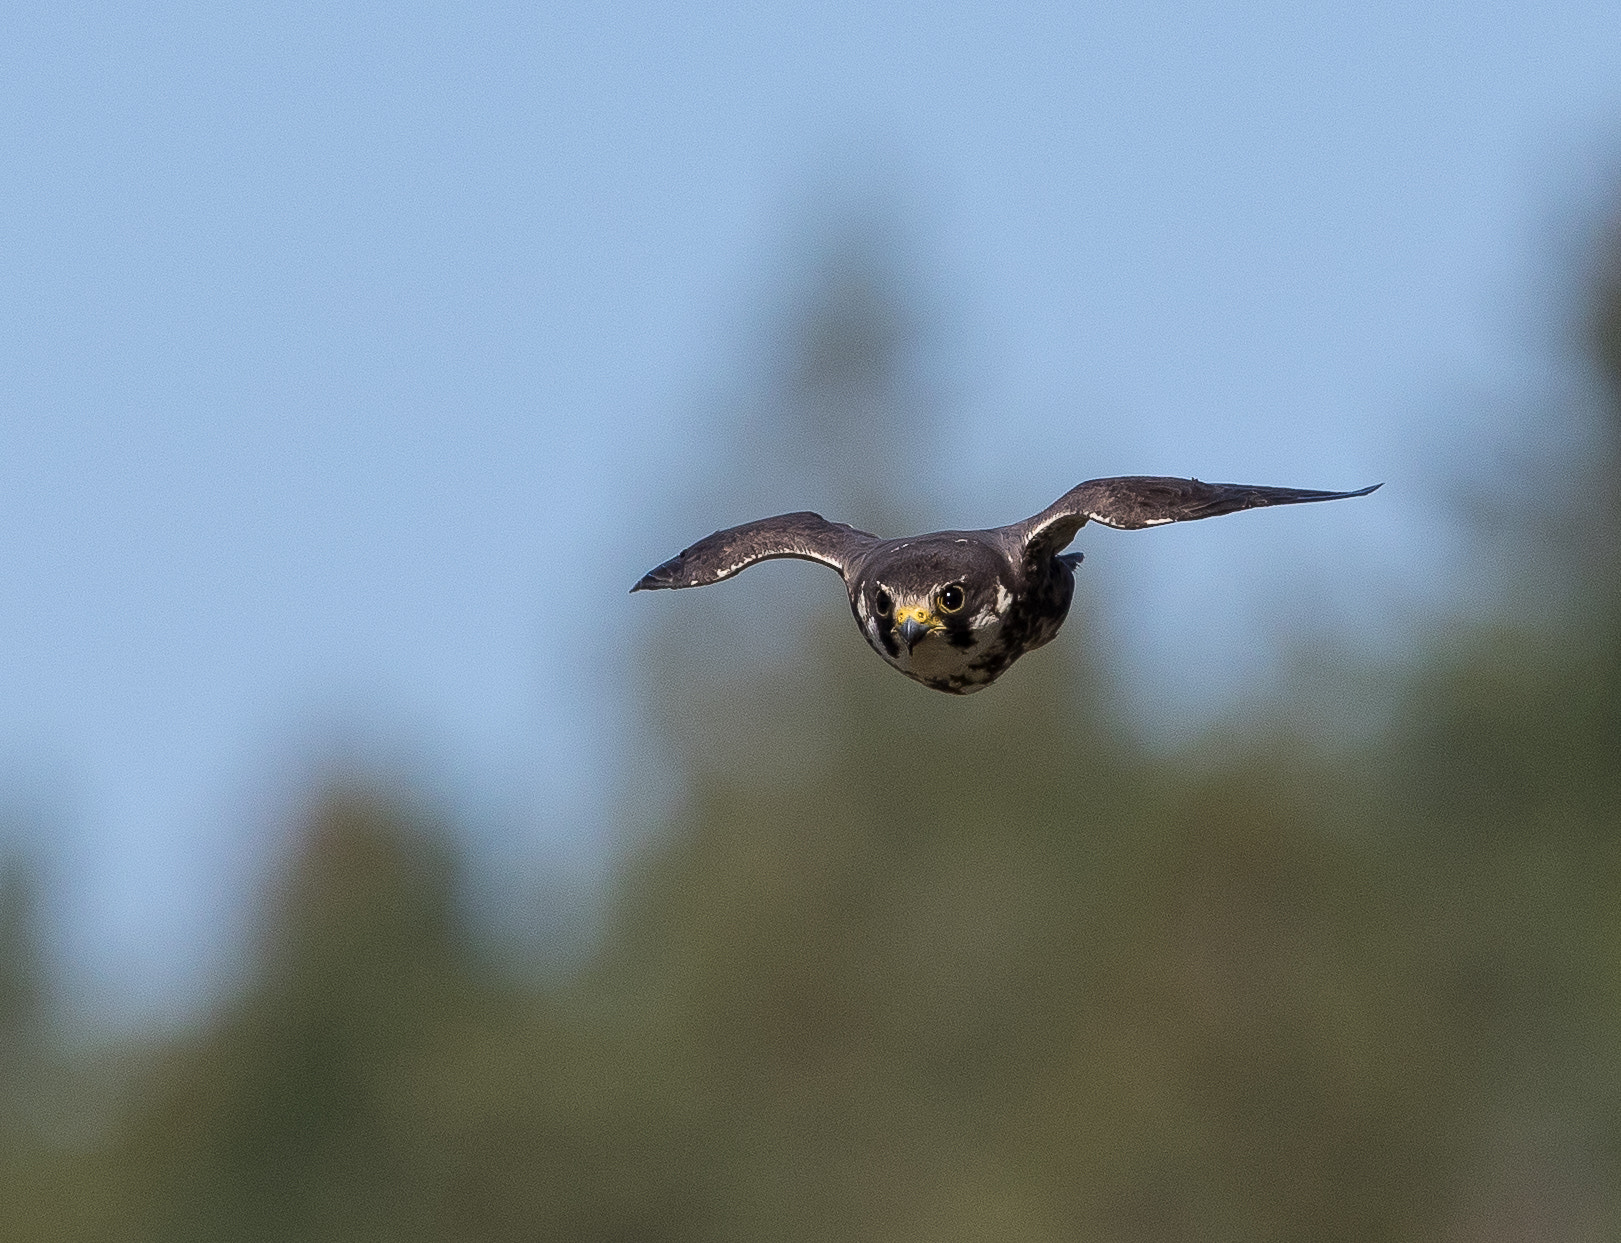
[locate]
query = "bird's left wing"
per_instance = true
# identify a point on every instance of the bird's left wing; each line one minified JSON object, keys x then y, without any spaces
{"x":805,"y":535}
{"x":1131,"y":502}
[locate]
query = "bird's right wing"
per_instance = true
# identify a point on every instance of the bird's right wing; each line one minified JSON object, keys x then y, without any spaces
{"x":808,"y":536}
{"x":1132,"y":502}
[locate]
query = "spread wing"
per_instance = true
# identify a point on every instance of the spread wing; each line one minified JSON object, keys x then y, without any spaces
{"x":1131,"y":502}
{"x":805,"y":535}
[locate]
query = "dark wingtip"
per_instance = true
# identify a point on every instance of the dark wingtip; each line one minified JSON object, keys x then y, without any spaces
{"x":1372,"y":487}
{"x":659,"y":577}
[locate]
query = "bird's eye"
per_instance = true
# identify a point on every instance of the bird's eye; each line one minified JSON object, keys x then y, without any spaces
{"x":883,"y":603}
{"x":952,"y":598}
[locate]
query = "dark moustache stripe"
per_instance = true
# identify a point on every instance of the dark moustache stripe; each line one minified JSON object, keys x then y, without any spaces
{"x":886,"y":634}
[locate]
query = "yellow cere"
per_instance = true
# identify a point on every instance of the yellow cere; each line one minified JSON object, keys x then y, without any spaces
{"x":920,"y":614}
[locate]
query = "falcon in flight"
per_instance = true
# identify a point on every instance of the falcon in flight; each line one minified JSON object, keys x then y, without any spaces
{"x":953,"y":609}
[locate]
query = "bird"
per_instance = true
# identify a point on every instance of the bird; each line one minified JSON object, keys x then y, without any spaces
{"x":954,"y":609}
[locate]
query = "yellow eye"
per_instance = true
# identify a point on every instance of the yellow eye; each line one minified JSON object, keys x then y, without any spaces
{"x":951,"y":598}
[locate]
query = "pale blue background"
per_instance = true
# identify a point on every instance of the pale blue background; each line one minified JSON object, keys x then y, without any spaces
{"x":350,"y":357}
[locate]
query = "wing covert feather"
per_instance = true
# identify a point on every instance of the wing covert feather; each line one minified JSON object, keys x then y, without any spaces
{"x":805,"y":535}
{"x":1132,"y":502}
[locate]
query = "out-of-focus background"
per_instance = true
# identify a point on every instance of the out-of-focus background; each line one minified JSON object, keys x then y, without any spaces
{"x":373,"y":867}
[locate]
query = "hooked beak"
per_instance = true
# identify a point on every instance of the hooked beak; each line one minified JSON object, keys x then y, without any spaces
{"x":911,"y":631}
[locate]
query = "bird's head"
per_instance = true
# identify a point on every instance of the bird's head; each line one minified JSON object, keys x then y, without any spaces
{"x":922,"y":599}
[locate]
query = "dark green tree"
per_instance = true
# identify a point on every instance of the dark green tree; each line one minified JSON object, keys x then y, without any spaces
{"x":976,"y":968}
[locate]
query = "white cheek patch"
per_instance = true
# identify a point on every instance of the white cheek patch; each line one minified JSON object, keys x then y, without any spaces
{"x":1004,"y":597}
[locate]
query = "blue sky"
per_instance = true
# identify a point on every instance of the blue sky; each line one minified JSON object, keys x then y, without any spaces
{"x":336,"y":337}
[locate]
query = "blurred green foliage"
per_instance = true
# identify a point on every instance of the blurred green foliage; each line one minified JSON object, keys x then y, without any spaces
{"x":901,"y":967}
